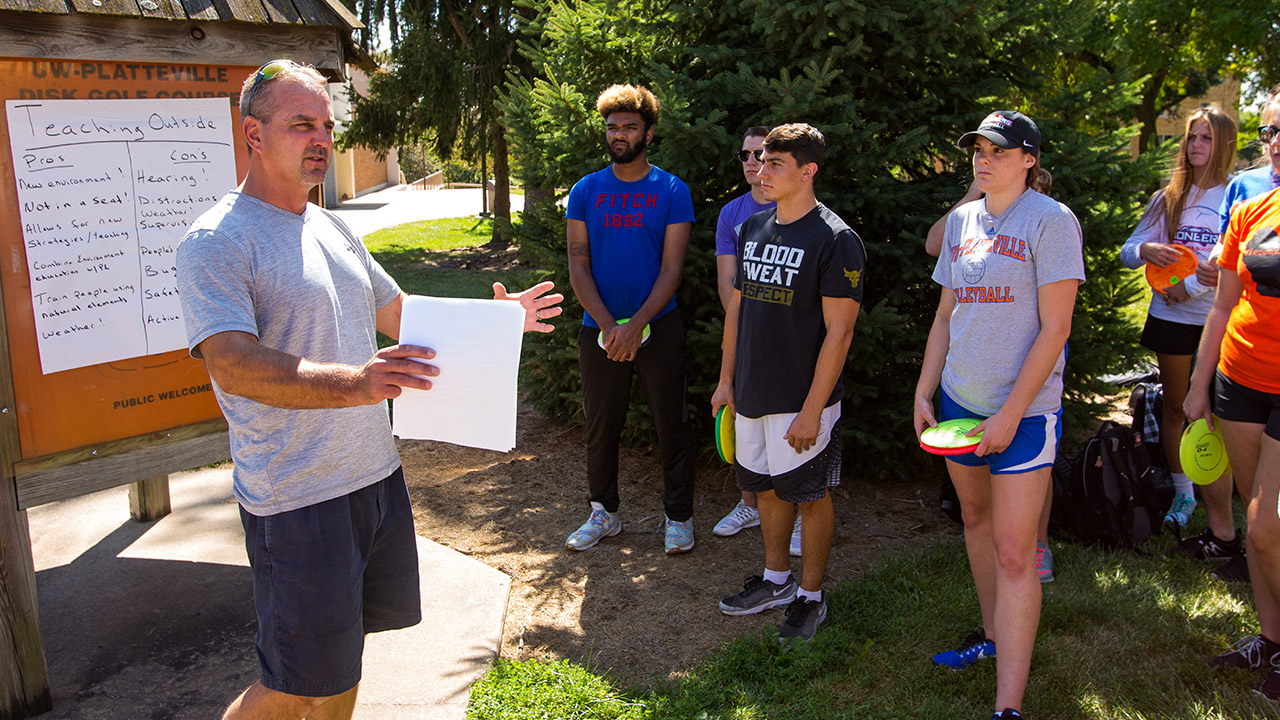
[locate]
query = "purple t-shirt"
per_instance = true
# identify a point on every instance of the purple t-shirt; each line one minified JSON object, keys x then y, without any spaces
{"x":732,"y":215}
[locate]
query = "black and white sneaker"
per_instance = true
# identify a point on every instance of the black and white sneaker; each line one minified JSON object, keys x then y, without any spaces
{"x":1251,"y":652}
{"x":1234,"y":570}
{"x":803,"y":618}
{"x":1269,"y":686}
{"x":1207,"y":546}
{"x":759,"y":595}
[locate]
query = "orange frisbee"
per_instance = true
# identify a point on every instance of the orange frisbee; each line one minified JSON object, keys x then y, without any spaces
{"x":1163,"y":278}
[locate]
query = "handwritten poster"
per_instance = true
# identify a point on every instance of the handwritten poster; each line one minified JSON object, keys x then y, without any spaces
{"x":106,"y":190}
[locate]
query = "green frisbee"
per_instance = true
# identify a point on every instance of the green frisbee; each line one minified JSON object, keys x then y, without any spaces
{"x":644,"y":335}
{"x":949,"y":437}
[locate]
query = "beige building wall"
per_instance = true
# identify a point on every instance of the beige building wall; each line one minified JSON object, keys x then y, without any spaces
{"x":358,"y":170}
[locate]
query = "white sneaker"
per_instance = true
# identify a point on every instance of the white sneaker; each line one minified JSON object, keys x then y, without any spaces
{"x":795,"y":537}
{"x":741,"y":517}
{"x":1180,"y":512}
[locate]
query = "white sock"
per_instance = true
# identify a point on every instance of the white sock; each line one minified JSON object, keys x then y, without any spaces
{"x":1182,"y":484}
{"x":777,"y":577}
{"x":814,"y":595}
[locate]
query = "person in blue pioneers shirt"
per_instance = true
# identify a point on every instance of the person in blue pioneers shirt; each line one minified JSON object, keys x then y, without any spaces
{"x":627,"y":231}
{"x":1185,"y":213}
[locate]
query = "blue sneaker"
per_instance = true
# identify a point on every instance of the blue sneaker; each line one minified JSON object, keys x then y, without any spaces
{"x":678,"y":536}
{"x":601,"y":524}
{"x":973,"y":648}
{"x":1044,"y":562}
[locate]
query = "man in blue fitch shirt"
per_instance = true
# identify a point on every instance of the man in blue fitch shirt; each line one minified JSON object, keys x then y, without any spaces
{"x":628,"y":229}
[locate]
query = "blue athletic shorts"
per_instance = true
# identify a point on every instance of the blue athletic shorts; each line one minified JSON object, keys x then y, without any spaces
{"x":1034,"y":445}
{"x":326,"y":574}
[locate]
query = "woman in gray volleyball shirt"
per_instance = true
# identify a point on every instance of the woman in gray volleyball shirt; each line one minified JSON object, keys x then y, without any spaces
{"x":1009,"y":267}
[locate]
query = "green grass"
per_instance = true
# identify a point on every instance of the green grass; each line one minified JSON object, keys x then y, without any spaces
{"x":1123,"y":634}
{"x":430,"y":235}
{"x":1136,"y":311}
{"x":411,"y":253}
{"x":549,"y":691}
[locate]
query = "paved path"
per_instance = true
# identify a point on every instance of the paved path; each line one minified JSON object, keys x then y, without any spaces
{"x":155,"y":620}
{"x":401,"y":204}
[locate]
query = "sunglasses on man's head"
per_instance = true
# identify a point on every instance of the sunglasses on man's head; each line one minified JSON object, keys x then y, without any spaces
{"x":1267,"y":133}
{"x":264,"y":74}
{"x":745,"y":155}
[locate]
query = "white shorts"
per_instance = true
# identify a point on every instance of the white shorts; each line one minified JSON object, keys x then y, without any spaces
{"x":759,"y":445}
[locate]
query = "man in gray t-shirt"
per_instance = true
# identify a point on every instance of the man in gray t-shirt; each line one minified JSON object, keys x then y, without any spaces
{"x":283,"y":303}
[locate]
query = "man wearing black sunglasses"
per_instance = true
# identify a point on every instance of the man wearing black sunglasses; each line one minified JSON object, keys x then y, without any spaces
{"x":283,"y":302}
{"x":1266,"y":177}
{"x":745,"y":514}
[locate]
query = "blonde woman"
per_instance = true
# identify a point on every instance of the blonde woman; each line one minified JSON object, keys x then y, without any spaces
{"x":1185,"y":212}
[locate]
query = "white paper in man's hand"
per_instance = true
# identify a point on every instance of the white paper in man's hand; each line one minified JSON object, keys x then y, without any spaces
{"x":472,"y":401}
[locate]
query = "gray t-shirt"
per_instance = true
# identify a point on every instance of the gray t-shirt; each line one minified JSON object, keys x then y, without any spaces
{"x":306,"y":286}
{"x":994,"y":266}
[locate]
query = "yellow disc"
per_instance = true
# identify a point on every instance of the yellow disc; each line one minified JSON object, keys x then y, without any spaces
{"x":1202,"y":452}
{"x":724,"y":434}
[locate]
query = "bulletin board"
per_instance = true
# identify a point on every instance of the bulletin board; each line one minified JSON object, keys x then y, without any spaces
{"x":70,"y":400}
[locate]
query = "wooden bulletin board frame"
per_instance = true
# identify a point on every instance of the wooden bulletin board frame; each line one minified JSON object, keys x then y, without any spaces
{"x":91,"y":413}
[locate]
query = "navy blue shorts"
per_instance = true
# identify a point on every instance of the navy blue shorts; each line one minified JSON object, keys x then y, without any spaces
{"x":1034,"y":445}
{"x":326,"y":574}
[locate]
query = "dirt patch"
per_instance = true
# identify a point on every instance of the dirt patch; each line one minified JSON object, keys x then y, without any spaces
{"x":474,"y":258}
{"x":624,"y":606}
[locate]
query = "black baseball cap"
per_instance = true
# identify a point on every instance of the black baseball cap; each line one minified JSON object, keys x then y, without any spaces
{"x":1007,"y":129}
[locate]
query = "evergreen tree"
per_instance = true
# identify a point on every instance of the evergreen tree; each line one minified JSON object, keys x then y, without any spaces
{"x":892,"y":87}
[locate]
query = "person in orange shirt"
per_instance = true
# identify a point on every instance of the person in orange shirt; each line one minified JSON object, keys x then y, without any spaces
{"x":1241,"y":342}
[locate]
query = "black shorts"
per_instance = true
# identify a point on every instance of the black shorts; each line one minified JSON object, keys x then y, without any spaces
{"x":1237,"y":403}
{"x":1170,"y":338}
{"x":324,"y":575}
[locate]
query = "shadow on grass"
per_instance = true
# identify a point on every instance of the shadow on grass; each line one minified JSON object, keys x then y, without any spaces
{"x":1122,"y":635}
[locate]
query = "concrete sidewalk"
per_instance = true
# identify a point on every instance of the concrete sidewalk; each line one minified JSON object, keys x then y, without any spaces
{"x":156,"y":619}
{"x":401,"y":204}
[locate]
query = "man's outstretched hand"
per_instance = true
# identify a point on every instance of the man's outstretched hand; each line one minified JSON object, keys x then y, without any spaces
{"x":537,"y":307}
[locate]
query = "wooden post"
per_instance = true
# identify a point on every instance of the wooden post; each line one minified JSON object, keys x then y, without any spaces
{"x":149,"y":499}
{"x":24,"y":676}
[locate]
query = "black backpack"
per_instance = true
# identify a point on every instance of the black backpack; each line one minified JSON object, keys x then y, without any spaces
{"x":1146,"y":403}
{"x":1110,"y":497}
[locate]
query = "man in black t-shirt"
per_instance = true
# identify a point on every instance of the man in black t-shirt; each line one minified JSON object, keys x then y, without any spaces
{"x":787,"y":330}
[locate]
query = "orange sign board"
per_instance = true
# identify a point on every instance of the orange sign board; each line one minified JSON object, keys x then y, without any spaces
{"x":109,"y":401}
